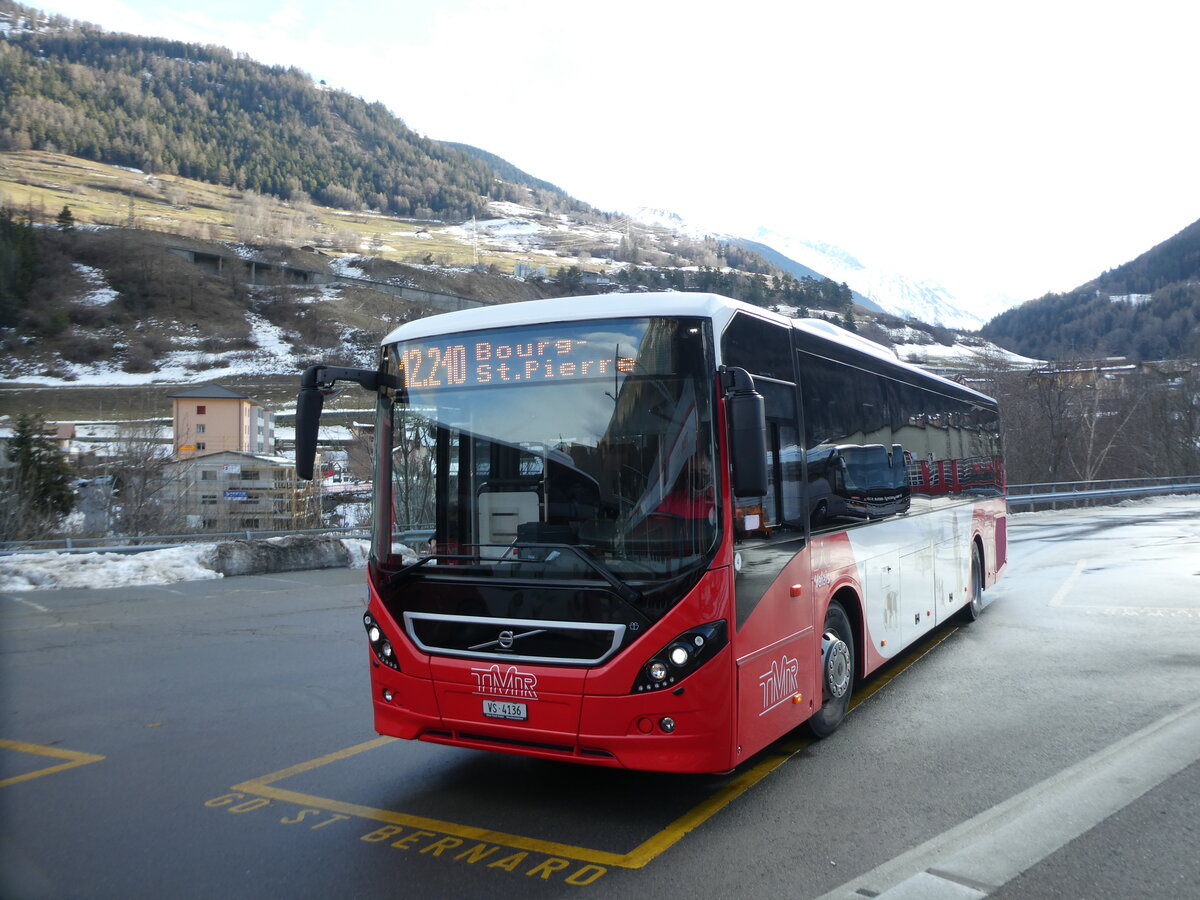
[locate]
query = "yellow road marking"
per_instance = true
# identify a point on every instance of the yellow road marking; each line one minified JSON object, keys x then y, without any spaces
{"x":648,"y":850}
{"x":74,"y":758}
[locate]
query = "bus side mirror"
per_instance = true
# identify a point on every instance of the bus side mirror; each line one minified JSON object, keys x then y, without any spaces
{"x":315,"y":383}
{"x":746,"y":413}
{"x":309,"y":403}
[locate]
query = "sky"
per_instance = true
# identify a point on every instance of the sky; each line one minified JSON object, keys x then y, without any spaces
{"x":999,"y":149}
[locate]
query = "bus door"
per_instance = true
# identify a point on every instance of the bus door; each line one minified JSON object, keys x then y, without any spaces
{"x":776,"y":644}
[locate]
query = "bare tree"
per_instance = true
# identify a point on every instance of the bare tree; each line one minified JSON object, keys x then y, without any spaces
{"x":146,"y":481}
{"x":1099,"y":423}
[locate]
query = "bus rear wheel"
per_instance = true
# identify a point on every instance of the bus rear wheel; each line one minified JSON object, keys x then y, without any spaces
{"x":837,"y":672}
{"x":974,"y":608}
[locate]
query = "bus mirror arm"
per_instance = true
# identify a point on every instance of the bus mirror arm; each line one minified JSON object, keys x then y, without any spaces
{"x":322,"y":378}
{"x":746,"y":413}
{"x":315,"y":384}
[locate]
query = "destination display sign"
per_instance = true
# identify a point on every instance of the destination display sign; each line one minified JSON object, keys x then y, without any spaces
{"x":519,"y":355}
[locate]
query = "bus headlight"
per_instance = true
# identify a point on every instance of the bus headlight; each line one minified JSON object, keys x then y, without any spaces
{"x":679,"y":654}
{"x":380,"y":645}
{"x":682,"y":656}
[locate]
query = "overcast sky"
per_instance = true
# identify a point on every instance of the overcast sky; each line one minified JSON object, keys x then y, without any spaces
{"x":999,"y":148}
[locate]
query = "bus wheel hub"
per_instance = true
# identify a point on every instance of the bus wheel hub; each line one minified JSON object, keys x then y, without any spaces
{"x":835,"y":656}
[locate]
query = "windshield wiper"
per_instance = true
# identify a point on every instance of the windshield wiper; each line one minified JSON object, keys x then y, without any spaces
{"x":398,"y":575}
{"x":627,"y":592}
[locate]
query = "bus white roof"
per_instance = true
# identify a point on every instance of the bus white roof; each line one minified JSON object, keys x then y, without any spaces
{"x":574,"y":309}
{"x":618,"y":306}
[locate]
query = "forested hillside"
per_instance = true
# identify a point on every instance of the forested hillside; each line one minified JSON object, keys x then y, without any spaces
{"x":168,"y":107}
{"x":1148,"y":308}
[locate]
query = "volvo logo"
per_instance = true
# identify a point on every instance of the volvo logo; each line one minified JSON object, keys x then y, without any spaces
{"x":506,"y":639}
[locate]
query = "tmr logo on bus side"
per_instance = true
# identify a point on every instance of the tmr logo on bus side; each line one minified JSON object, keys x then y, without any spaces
{"x":780,"y":683}
{"x":512,"y":682}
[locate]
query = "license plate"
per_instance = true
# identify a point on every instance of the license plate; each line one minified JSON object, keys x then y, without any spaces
{"x":505,"y":709}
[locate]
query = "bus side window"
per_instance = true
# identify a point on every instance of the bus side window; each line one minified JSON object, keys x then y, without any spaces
{"x":763,"y":348}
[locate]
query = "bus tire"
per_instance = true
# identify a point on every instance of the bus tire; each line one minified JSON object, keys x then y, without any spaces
{"x":974,"y":607}
{"x":837,"y":671}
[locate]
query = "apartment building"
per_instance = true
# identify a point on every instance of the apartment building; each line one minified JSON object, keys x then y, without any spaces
{"x":235,"y":491}
{"x":211,"y":418}
{"x":227,"y":476}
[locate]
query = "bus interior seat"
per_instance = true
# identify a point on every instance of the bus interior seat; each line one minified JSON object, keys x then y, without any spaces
{"x":501,"y":513}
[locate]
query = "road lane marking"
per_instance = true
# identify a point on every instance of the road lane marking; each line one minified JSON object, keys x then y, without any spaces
{"x":1066,"y":586}
{"x":1058,"y":601}
{"x":984,"y":853}
{"x":29,"y":603}
{"x":73,"y":759}
{"x":772,"y":758}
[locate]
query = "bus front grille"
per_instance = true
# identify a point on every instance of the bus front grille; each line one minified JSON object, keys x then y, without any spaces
{"x":514,"y":640}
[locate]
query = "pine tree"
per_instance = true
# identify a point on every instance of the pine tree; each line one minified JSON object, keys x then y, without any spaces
{"x":18,"y":265}
{"x":40,"y":468}
{"x":65,"y":219}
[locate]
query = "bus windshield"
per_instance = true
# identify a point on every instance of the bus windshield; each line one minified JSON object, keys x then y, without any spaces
{"x":559,"y":451}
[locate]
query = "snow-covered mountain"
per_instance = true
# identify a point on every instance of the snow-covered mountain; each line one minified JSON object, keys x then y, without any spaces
{"x":664,"y":218}
{"x":877,"y":287}
{"x":890,"y":291}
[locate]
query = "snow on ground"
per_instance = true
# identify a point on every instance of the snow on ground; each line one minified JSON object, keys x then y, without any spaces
{"x":510,"y":210}
{"x":349,"y":266}
{"x":191,"y":562}
{"x":176,"y":367}
{"x":46,"y":571}
{"x":101,"y":294}
{"x":274,"y":354}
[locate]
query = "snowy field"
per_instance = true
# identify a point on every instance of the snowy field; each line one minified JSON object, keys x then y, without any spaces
{"x":47,"y":571}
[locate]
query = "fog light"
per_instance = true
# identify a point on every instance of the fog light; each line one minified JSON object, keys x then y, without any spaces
{"x":386,"y":649}
{"x":387,"y":695}
{"x":657,"y":671}
{"x":667,"y":724}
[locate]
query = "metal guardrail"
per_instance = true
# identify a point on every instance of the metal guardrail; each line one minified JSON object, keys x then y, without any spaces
{"x":1062,"y":493}
{"x":410,"y":534}
{"x":1074,"y":493}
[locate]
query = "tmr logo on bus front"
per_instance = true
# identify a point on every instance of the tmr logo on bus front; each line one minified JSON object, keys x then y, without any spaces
{"x":511,"y":682}
{"x":780,"y":683}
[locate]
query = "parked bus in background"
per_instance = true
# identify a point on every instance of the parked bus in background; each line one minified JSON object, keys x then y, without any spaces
{"x":669,"y":528}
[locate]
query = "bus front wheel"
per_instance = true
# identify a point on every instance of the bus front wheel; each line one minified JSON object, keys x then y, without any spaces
{"x":837,"y":672}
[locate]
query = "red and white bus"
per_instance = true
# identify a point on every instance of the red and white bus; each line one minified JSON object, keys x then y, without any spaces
{"x":669,"y":528}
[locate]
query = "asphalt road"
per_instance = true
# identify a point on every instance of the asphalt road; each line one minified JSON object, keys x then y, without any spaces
{"x":214,"y":739}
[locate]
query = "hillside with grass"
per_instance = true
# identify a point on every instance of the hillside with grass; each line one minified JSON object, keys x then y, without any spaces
{"x":202,"y":112}
{"x":106,"y":272}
